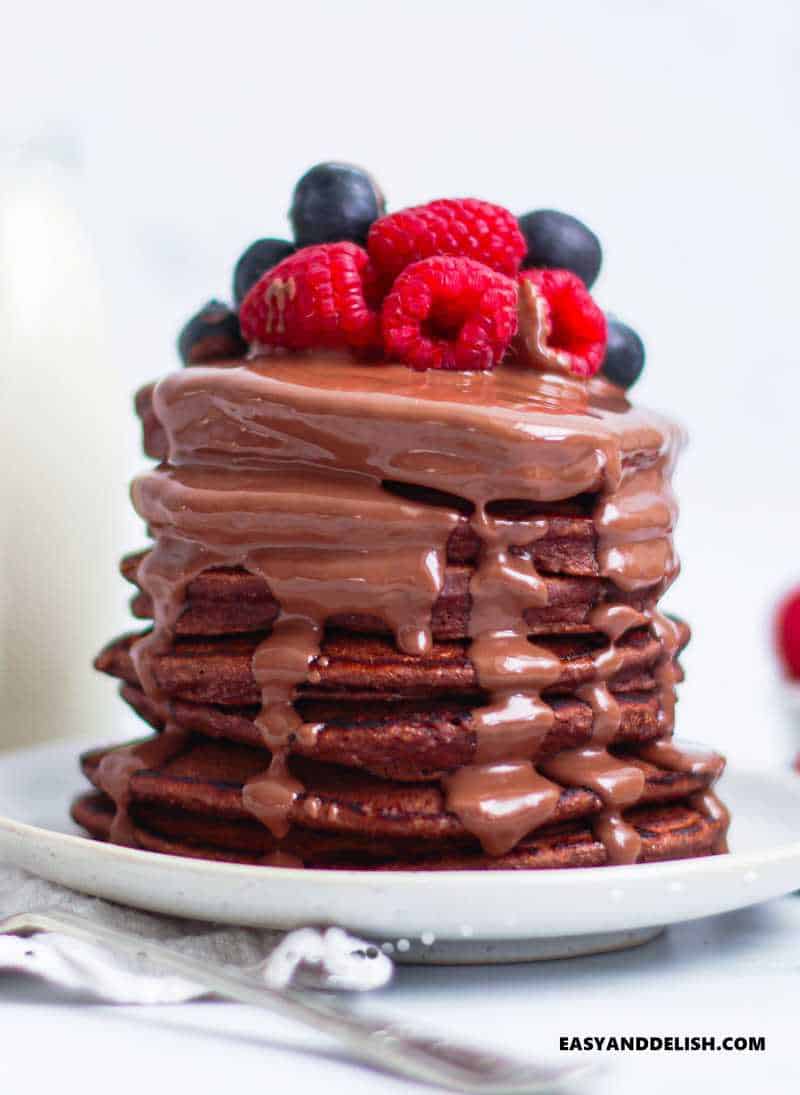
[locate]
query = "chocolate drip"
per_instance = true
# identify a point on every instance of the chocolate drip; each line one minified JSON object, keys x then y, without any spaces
{"x":277,"y":466}
{"x":666,"y":671}
{"x":606,"y":714}
{"x":280,"y":663}
{"x":622,"y":842}
{"x":694,"y":761}
{"x":270,"y":796}
{"x":709,"y":805}
{"x":278,"y":294}
{"x":501,"y":803}
{"x":617,"y":783}
{"x":613,"y":621}
{"x":280,"y":858}
{"x":514,"y":671}
{"x":165,"y":574}
{"x":634,"y":520}
{"x":118,"y":768}
{"x":683,"y":757}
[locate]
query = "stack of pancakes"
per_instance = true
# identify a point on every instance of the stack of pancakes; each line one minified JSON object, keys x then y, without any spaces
{"x":402,"y":621}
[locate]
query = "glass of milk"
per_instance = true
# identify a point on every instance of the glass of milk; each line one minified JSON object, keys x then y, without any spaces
{"x":65,"y":445}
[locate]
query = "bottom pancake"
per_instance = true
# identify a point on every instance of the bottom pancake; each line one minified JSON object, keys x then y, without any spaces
{"x":672,"y":831}
{"x":205,"y":778}
{"x":191,"y":804}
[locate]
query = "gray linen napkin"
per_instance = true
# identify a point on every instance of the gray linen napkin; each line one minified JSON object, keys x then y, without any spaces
{"x":329,"y":959}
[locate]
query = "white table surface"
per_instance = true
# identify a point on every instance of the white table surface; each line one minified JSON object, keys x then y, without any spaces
{"x":732,"y":974}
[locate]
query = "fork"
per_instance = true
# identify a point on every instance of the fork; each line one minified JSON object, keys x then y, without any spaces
{"x":374,"y":1042}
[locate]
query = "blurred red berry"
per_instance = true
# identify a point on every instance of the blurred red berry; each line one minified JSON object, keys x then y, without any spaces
{"x":787,"y":633}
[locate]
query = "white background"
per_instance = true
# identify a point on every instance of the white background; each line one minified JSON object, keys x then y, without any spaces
{"x":178,"y":131}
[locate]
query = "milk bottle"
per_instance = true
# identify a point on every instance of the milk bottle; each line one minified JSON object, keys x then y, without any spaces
{"x":65,"y":458}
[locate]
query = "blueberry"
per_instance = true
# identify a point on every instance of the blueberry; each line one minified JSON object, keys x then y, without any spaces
{"x":255,"y":261}
{"x":624,"y":358}
{"x":211,"y":335}
{"x":559,"y":240}
{"x":335,"y":201}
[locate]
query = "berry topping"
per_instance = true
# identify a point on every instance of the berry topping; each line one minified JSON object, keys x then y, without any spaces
{"x":462,"y":227}
{"x":624,"y":358}
{"x":335,"y":201}
{"x":561,"y":326}
{"x":557,"y":240}
{"x":211,"y":335}
{"x":787,"y":632}
{"x":318,"y":297}
{"x":255,"y":261}
{"x":449,"y":313}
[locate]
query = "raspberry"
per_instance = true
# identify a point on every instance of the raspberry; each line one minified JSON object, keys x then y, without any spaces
{"x":463,"y":227}
{"x":449,"y":313}
{"x":561,"y":325}
{"x":321,"y":296}
{"x":787,"y":633}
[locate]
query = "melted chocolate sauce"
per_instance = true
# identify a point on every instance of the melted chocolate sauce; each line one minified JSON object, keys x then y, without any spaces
{"x":277,"y":465}
{"x":618,"y":785}
{"x":500,"y":803}
{"x":118,"y":768}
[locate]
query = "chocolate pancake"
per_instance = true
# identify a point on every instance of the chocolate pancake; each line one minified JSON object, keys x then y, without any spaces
{"x":229,"y":600}
{"x":220,"y":670}
{"x":406,"y":740}
{"x":207,"y":777}
{"x":673,"y":831}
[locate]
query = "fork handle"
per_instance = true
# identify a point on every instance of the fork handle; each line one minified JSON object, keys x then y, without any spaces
{"x":374,"y":1042}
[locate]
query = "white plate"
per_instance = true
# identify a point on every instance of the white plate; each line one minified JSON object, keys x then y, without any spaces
{"x":437,"y":916}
